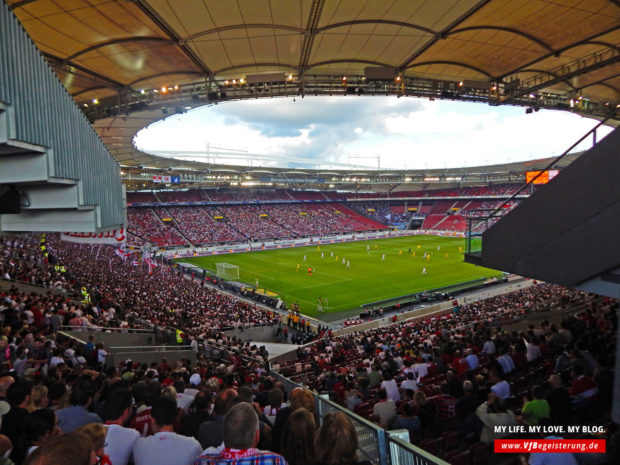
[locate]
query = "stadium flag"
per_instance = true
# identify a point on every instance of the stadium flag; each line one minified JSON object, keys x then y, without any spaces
{"x":167,"y":179}
{"x":175,"y":179}
{"x":123,"y":252}
{"x":135,"y":262}
{"x":156,"y":178}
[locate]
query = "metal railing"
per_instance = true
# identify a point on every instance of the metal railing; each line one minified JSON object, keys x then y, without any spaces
{"x":404,"y":453}
{"x":375,"y":444}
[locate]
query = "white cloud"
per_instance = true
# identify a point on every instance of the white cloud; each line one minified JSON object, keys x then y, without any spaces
{"x":409,"y":132}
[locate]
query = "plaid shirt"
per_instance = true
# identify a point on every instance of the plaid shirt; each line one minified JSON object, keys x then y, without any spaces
{"x":254,"y":457}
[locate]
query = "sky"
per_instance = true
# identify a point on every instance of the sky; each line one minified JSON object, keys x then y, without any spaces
{"x":390,"y":132}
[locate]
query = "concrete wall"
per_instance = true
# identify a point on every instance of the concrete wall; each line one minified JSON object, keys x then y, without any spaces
{"x":112,"y":340}
{"x":258,"y":334}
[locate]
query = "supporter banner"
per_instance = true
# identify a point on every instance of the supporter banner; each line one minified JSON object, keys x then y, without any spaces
{"x":112,"y":237}
{"x":167,"y":179}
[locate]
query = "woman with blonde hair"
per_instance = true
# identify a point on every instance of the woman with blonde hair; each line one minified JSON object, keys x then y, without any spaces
{"x":38,"y":398}
{"x":97,"y":434}
{"x":336,"y":442}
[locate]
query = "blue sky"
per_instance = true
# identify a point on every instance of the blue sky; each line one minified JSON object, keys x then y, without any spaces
{"x":333,"y":131}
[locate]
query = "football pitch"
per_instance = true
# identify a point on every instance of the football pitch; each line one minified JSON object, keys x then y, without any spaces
{"x":369,"y":277}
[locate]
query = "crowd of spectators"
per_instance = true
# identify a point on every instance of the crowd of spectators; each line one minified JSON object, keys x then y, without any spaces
{"x":146,"y":225}
{"x":450,"y":379}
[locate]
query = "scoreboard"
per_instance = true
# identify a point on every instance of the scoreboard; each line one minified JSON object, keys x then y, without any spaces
{"x":544,"y":178}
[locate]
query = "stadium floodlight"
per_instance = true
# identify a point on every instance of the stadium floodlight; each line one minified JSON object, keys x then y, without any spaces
{"x":227,"y":271}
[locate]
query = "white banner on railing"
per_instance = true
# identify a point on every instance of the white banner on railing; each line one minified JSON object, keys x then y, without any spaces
{"x":113,"y":237}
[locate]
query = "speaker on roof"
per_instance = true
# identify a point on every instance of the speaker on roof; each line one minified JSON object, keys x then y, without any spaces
{"x":9,"y":199}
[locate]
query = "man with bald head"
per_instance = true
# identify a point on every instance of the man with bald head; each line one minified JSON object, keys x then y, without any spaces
{"x":211,"y":433}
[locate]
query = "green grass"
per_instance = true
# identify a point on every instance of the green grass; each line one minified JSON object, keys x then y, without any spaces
{"x":367,"y":280}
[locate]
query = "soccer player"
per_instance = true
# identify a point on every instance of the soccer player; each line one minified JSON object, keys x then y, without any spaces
{"x":322,"y":255}
{"x":304,"y":258}
{"x":309,"y":271}
{"x":409,"y":249}
{"x":348,"y":264}
{"x":344,"y":260}
{"x":256,"y":282}
{"x":368,"y":248}
{"x":376,"y":246}
{"x":418,"y":246}
{"x":438,"y":248}
{"x":424,"y":273}
{"x":400,"y":252}
{"x":332,"y":254}
{"x":298,"y":268}
{"x":425,"y":255}
{"x":382,"y":257}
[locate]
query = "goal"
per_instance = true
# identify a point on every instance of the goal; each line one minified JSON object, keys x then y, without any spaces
{"x":227,"y":271}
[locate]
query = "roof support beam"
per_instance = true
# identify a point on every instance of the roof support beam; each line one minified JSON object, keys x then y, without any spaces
{"x":441,"y":34}
{"x":118,"y":41}
{"x":233,"y":27}
{"x":311,"y":32}
{"x":376,"y":21}
{"x":68,"y":64}
{"x":503,"y":29}
{"x":455,"y":63}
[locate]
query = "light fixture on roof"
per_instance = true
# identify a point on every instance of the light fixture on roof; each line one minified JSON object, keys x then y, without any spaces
{"x":460,"y":83}
{"x":493,"y":89}
{"x":241,"y":81}
{"x":176,"y":87}
{"x":226,"y":82}
{"x":290,"y":77}
{"x":164,"y":89}
{"x":86,"y":105}
{"x":95,"y":101}
{"x":142,"y":91}
{"x":532,"y":95}
{"x":344,"y":78}
{"x":155,"y":91}
{"x":398,"y":78}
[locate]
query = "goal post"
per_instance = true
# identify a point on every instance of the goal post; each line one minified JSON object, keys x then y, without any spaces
{"x":227,"y":271}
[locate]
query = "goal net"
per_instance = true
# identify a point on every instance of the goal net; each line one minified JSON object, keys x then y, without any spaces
{"x":227,"y":271}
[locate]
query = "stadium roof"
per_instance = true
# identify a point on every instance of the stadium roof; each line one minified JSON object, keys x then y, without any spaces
{"x":135,"y":58}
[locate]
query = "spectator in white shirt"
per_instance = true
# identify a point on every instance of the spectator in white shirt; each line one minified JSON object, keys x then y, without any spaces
{"x":390,"y":386}
{"x":165,"y":447}
{"x":533,"y":352}
{"x":119,"y":441}
{"x":489,"y":347}
{"x":409,"y":383}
